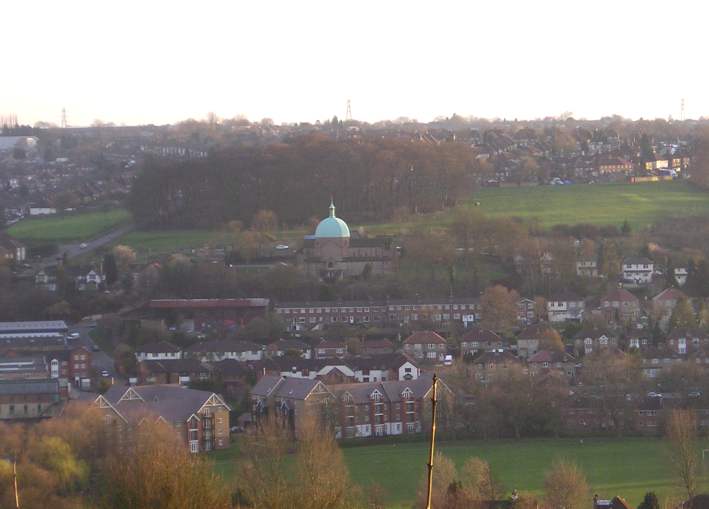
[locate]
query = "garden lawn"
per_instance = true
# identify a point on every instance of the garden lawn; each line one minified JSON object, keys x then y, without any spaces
{"x":626,"y":467}
{"x":70,"y":227}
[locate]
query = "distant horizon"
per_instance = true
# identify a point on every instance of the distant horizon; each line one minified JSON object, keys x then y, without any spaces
{"x":398,"y":120}
{"x":160,"y":62}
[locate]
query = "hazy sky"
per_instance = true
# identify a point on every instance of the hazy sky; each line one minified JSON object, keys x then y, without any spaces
{"x":155,"y":61}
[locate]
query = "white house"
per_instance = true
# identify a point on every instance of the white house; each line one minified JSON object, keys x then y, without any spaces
{"x":587,"y":268}
{"x":42,"y":211}
{"x":220,"y":349}
{"x":91,"y":280}
{"x":681,"y":276}
{"x":564,"y":308}
{"x":638,"y":270}
{"x":11,"y":249}
{"x":160,"y":351}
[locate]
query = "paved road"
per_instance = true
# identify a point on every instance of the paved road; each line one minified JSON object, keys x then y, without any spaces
{"x":100,"y":360}
{"x":74,"y":249}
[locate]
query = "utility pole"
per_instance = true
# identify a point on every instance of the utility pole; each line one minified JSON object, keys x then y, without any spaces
{"x":14,"y":481}
{"x":434,"y":401}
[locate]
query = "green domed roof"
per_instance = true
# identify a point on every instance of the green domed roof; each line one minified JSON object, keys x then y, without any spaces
{"x":332,"y":227}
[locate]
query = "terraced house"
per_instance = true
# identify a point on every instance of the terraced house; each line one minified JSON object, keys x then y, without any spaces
{"x":305,"y":315}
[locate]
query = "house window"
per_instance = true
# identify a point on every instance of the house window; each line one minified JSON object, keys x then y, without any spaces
{"x":194,"y":446}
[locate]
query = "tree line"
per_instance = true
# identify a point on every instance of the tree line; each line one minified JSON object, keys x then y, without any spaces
{"x":75,"y":461}
{"x":369,"y":178}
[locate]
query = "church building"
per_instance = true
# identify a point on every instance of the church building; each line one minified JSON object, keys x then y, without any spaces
{"x":332,"y":253}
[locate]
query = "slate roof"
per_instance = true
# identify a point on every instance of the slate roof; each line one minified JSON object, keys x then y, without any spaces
{"x":224,"y":345}
{"x":20,"y":387}
{"x":30,"y":327}
{"x":284,"y":387}
{"x":174,"y":403}
{"x":551,"y":356}
{"x":637,"y":260}
{"x":390,"y":390}
{"x":332,"y":344}
{"x":174,"y":366}
{"x":266,"y":385}
{"x":386,"y":361}
{"x":231,"y":368}
{"x":158,"y":347}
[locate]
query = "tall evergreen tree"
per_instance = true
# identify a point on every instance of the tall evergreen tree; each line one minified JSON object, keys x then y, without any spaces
{"x":110,"y":268}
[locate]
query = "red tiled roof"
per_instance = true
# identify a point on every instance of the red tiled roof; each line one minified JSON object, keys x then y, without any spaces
{"x":424,"y":337}
{"x":670,"y":294}
{"x":482,"y":335}
{"x":620,"y":295}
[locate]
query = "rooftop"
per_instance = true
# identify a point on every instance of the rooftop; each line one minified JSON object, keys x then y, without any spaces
{"x":332,"y":227}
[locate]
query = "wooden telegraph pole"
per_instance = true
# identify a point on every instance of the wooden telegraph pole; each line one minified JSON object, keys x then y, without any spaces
{"x":434,"y":400}
{"x":14,"y":480}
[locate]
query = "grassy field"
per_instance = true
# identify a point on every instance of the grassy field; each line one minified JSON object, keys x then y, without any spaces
{"x":600,"y":204}
{"x":170,"y":240}
{"x":67,"y":228}
{"x":627,"y":467}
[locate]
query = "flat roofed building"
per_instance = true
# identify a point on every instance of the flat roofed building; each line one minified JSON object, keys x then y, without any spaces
{"x":44,"y":329}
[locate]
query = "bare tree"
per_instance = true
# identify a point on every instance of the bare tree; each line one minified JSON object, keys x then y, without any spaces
{"x":682,"y":436}
{"x":156,"y":470}
{"x":478,"y":481}
{"x":261,"y":473}
{"x":499,"y":308}
{"x":565,"y":487}
{"x":321,"y":475}
{"x":125,"y":256}
{"x":320,"y":479}
{"x":444,"y":475}
{"x":265,"y":221}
